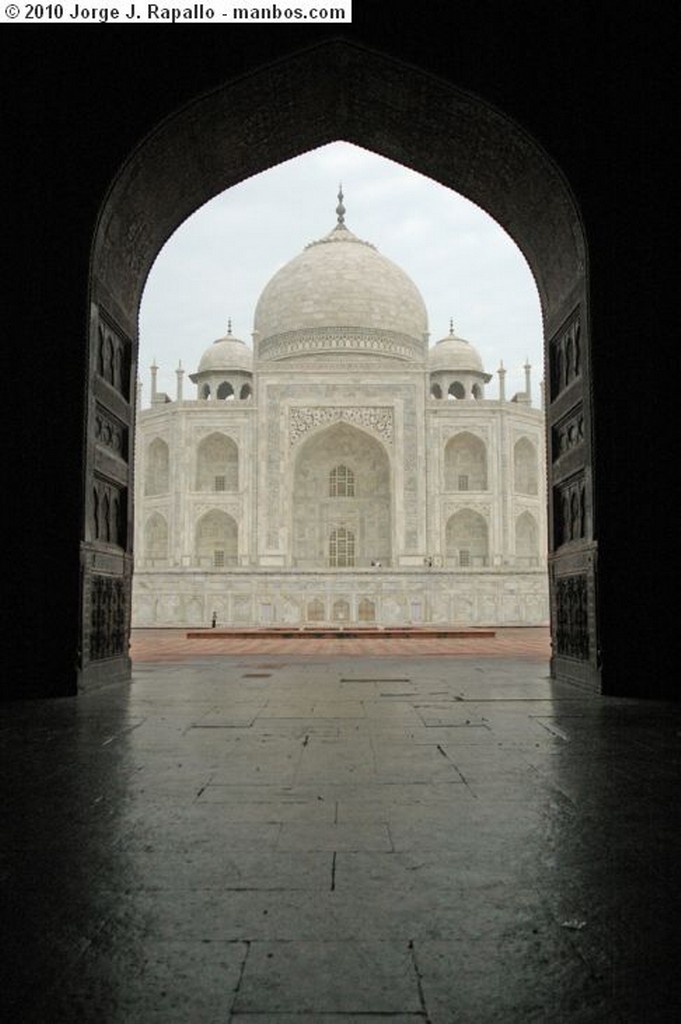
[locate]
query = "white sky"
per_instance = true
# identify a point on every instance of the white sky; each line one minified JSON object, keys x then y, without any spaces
{"x":217,"y":263}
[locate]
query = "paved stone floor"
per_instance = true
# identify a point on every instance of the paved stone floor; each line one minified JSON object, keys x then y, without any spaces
{"x":261,"y":839}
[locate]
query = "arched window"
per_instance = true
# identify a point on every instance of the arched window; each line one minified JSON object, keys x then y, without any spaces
{"x":341,"y":611}
{"x":156,"y":537}
{"x":216,"y":540}
{"x":315,"y":611}
{"x":366,"y":611}
{"x":467,"y":539}
{"x":341,"y":548}
{"x":225,"y":391}
{"x":465,"y":463}
{"x":217,"y":464}
{"x":341,"y":482}
{"x":526,"y":540}
{"x":525,"y":467}
{"x":156,"y":475}
{"x":246,"y":392}
{"x":205,"y":391}
{"x":456,"y":390}
{"x":436,"y":391}
{"x":476,"y":391}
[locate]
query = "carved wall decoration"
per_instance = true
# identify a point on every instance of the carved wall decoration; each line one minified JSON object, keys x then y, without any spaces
{"x":569,"y":510}
{"x":566,"y":361}
{"x":568,"y":433}
{"x":108,"y":617}
{"x":114,"y":358}
{"x":572,"y":620}
{"x":109,"y":513}
{"x":330,"y":339}
{"x":111,"y":433}
{"x":377,"y":419}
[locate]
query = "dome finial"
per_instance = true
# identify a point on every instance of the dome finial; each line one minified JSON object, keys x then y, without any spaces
{"x":340,"y":209}
{"x":451,"y":327}
{"x":229,"y":327}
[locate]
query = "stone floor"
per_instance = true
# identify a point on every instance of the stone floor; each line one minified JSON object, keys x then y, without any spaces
{"x":261,"y":839}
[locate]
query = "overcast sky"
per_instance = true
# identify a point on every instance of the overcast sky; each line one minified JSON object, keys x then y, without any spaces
{"x":217,"y":263}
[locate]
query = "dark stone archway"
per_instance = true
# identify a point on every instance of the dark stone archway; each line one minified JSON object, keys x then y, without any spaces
{"x":330,"y":92}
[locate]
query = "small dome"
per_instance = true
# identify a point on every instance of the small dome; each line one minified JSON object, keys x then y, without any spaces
{"x":453,"y":353}
{"x":228,"y":353}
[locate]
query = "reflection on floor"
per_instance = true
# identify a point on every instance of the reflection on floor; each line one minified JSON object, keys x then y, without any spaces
{"x":282,"y":839}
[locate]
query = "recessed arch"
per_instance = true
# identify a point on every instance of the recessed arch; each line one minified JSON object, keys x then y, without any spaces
{"x":155,"y":539}
{"x":217,"y":463}
{"x":525,"y":467}
{"x":467,"y":540}
{"x":217,"y":537}
{"x":341,"y":499}
{"x":526,"y":539}
{"x":339,"y":90}
{"x":465,"y":463}
{"x":157,"y":467}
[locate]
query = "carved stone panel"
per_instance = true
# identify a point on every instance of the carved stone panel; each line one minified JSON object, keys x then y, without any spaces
{"x":114,"y":358}
{"x":566,"y":356}
{"x":377,"y":419}
{"x":108,"y":635}
{"x":109,"y":513}
{"x":110,"y":433}
{"x":572,"y":619}
{"x":568,"y":433}
{"x":569,"y":510}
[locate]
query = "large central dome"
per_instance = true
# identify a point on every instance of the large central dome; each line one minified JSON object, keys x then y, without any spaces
{"x":341,"y":296}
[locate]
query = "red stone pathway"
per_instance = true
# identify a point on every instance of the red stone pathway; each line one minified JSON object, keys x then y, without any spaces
{"x":173,"y":645}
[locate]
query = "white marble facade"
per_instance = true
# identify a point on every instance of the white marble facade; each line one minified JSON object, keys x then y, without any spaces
{"x":339,"y":470}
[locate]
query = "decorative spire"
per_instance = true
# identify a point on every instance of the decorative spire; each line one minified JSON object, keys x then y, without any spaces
{"x":229,"y":327}
{"x":451,"y":327}
{"x":340,"y":209}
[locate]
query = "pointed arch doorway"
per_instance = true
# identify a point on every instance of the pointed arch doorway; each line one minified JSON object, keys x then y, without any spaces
{"x":337,"y":90}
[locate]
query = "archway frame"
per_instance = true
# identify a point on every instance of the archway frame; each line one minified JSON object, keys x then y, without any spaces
{"x":340,"y":91}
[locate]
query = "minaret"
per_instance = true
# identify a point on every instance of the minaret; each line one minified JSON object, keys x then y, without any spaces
{"x":502,"y":381}
{"x":154,"y":372}
{"x":528,"y":383}
{"x":179,"y":373}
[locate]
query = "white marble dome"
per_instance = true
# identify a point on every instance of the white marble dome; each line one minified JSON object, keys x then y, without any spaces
{"x":225,"y":354}
{"x":454,"y":353}
{"x":344,"y":292}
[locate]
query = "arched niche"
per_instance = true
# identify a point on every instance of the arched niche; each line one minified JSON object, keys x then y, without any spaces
{"x":155,"y":539}
{"x":465,"y":463}
{"x":526,"y":540}
{"x":341,"y":499}
{"x":157,"y":468}
{"x":525,"y":467}
{"x":338,"y":90}
{"x":216,"y":540}
{"x":467,"y":543}
{"x":217,"y":464}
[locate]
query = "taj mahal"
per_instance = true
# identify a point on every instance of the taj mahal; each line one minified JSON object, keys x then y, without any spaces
{"x":340,"y":470}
